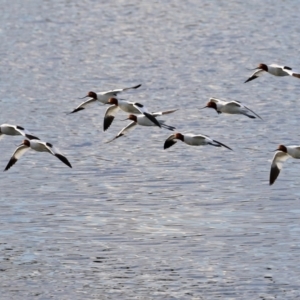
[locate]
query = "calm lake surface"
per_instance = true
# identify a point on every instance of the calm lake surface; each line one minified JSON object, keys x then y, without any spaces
{"x":131,"y":220}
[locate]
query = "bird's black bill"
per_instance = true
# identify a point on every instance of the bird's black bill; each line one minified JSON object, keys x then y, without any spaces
{"x":84,"y":97}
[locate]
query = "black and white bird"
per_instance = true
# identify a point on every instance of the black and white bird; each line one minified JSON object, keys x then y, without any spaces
{"x":192,"y":140}
{"x":129,"y":107}
{"x":143,"y":121}
{"x":8,"y":129}
{"x":282,"y":154}
{"x":39,"y":146}
{"x":102,"y":97}
{"x":273,"y":69}
{"x":231,"y":107}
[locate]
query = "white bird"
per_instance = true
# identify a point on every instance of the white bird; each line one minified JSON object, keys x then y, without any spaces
{"x":129,"y":107}
{"x":102,"y":97}
{"x":143,"y":121}
{"x":192,"y":140}
{"x":9,"y":129}
{"x":231,"y":107}
{"x":39,"y":146}
{"x":273,"y":69}
{"x":281,"y":155}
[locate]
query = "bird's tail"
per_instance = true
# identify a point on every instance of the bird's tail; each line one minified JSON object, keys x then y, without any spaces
{"x":167,"y":126}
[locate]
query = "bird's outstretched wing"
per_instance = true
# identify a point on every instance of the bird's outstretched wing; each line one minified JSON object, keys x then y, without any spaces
{"x":117,"y":91}
{"x":83,"y":105}
{"x":109,"y":116}
{"x":16,"y":155}
{"x":255,"y":75}
{"x":55,"y":151}
{"x":221,"y":144}
{"x":161,"y":113}
{"x":124,"y":131}
{"x":289,"y":71}
{"x":25,"y":132}
{"x":253,"y":112}
{"x":277,"y":162}
{"x":142,"y":109}
{"x":170,"y":141}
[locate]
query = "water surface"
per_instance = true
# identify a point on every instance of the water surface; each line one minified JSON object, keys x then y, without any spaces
{"x":131,"y":220}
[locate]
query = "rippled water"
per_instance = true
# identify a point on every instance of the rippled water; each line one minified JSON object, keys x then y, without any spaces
{"x":131,"y":220}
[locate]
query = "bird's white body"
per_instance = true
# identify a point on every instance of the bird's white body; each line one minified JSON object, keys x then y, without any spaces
{"x":42,"y":147}
{"x":144,"y":121}
{"x":131,"y":107}
{"x":277,"y":70}
{"x":196,"y":140}
{"x":293,"y":151}
{"x":9,"y":129}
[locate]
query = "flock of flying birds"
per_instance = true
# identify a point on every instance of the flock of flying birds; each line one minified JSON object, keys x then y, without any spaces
{"x":139,"y":115}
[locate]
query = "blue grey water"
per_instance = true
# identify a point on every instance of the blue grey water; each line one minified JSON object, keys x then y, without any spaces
{"x":131,"y":220}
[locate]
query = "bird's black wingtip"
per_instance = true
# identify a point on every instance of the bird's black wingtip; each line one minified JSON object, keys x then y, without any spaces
{"x":274,"y":173}
{"x":250,"y":79}
{"x":31,"y":137}
{"x":76,"y":110}
{"x":107,"y":122}
{"x":63,"y":159}
{"x":11,"y":162}
{"x":221,"y":144}
{"x":168,"y":144}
